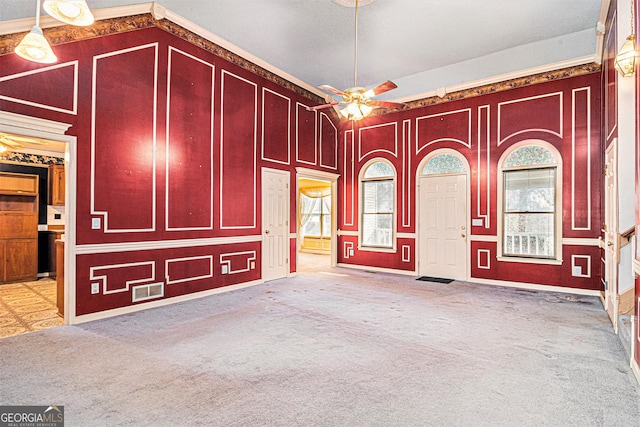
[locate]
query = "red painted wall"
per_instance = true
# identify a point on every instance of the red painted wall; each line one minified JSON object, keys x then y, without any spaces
{"x":564,"y":113}
{"x":170,"y":143}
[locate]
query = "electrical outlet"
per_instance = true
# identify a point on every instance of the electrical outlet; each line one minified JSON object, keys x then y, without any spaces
{"x":577,"y":270}
{"x":252,"y":265}
{"x":95,"y":288}
{"x":350,"y":252}
{"x":225,"y":269}
{"x":95,"y":223}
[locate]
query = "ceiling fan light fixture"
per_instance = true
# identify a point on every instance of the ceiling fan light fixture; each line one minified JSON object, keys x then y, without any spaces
{"x":35,"y":47}
{"x":74,"y":12}
{"x":356,"y":111}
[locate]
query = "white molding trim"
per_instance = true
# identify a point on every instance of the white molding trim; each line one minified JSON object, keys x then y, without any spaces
{"x":346,"y":183}
{"x":523,"y":260}
{"x":321,"y":175}
{"x":35,"y":124}
{"x":378,"y":269}
{"x":483,"y":238}
{"x":574,"y":257}
{"x":353,"y":233}
{"x":484,"y":267}
{"x":405,"y":235}
{"x":160,"y":303}
{"x":635,"y":368}
{"x":504,"y":77}
{"x":531,"y":286}
{"x":104,"y":248}
{"x":487,"y":171}
{"x":573,"y":241}
{"x":636,"y":267}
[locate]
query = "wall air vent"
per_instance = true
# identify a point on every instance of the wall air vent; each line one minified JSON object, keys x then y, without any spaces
{"x":150,"y":291}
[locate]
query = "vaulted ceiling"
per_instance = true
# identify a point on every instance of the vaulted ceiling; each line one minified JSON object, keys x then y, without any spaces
{"x":421,"y":45}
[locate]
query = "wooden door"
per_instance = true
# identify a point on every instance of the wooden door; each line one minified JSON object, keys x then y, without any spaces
{"x":275,"y":224}
{"x":442,"y":227}
{"x":611,"y":234}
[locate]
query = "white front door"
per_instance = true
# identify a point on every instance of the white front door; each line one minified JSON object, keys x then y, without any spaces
{"x":442,"y":227}
{"x":611,"y":234}
{"x":275,"y":224}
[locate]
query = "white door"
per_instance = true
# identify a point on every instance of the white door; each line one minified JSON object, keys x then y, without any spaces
{"x":611,"y":234}
{"x":275,"y":224}
{"x":442,"y":227}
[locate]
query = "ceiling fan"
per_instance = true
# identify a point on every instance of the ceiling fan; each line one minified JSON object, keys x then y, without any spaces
{"x":357,"y":99}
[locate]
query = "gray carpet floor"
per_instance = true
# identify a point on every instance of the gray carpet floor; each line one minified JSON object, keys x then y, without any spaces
{"x":335,"y":348}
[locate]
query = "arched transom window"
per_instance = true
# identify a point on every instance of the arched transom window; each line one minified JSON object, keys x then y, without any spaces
{"x":443,"y":163}
{"x":530,"y":203}
{"x":377,"y":189}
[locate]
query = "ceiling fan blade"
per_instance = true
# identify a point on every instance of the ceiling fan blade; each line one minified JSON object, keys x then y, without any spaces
{"x":385,"y":104}
{"x":332,"y":89}
{"x":320,"y":107}
{"x":381,"y":88}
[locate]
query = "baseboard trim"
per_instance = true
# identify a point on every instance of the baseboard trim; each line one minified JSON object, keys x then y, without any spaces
{"x":160,"y":303}
{"x":378,"y":269}
{"x":534,"y":287}
{"x":635,"y":369}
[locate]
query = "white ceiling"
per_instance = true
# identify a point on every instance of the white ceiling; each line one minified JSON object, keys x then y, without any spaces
{"x":421,"y":45}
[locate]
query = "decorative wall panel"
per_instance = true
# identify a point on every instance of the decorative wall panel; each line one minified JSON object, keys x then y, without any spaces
{"x":238,"y":124}
{"x":189,"y":153}
{"x":35,"y":87}
{"x":378,"y":139}
{"x":348,"y":180}
{"x":581,"y":160}
{"x":188,"y":269}
{"x":328,"y":143}
{"x":451,"y":126}
{"x":483,"y":176}
{"x":123,"y":157}
{"x":515,"y":117}
{"x":276,"y":127}
{"x":306,"y":135}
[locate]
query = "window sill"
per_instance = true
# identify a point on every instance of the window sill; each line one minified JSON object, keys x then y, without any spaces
{"x":376,"y":249}
{"x":530,"y":260}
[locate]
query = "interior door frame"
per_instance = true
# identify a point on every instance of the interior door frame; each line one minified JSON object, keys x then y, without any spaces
{"x":610,"y":297}
{"x":467,"y":175}
{"x":48,"y":129}
{"x":332,"y":178}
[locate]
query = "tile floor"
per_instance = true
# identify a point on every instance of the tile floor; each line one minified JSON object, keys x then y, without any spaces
{"x":28,"y":306}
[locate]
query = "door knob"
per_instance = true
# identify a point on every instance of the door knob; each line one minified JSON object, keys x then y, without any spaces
{"x":463,"y":235}
{"x":462,"y":228}
{"x":266,"y":231}
{"x":609,"y":243}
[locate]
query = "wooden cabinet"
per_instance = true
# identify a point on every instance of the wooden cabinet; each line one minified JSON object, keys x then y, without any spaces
{"x":18,"y":227}
{"x":56,"y":185}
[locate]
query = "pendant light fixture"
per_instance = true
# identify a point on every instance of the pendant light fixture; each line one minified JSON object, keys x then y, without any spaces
{"x":34,"y":47}
{"x":625,"y":62}
{"x":74,"y":12}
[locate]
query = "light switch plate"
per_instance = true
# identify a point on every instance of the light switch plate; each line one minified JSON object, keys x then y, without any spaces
{"x":225,"y":269}
{"x":95,"y":288}
{"x":350,"y":252}
{"x":95,"y":223}
{"x":577,"y":270}
{"x":477,"y":222}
